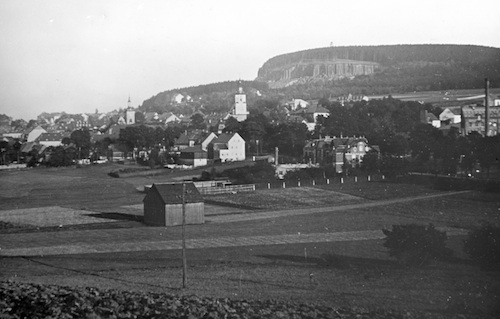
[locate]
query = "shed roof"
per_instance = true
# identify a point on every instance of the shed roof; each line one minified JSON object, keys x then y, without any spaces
{"x":171,"y":193}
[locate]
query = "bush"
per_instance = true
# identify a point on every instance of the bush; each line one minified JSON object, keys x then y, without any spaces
{"x":483,"y":245}
{"x":416,"y":245}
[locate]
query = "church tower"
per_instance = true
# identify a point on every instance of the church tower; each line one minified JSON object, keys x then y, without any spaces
{"x":240,"y":112}
{"x":130,"y":114}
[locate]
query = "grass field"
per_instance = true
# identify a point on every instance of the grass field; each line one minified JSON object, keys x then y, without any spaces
{"x":350,"y":273}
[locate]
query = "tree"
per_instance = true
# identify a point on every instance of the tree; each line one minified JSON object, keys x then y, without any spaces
{"x":232,"y":126}
{"x":416,"y":245}
{"x":81,"y":139}
{"x":139,"y":118}
{"x":371,"y":162}
{"x":197,"y":121}
{"x":60,"y":156}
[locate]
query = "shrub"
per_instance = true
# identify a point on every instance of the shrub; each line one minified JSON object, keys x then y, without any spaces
{"x":483,"y":245}
{"x":416,"y":245}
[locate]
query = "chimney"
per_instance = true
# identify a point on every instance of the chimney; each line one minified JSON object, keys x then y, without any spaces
{"x":486,"y":107}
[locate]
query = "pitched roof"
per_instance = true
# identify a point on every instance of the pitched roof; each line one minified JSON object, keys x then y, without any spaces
{"x":47,"y":137}
{"x":473,"y":111}
{"x":171,"y":193}
{"x":223,"y":138}
{"x":311,"y":109}
{"x":193,"y":149}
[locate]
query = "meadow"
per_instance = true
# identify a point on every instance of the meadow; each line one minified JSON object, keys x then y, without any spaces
{"x":357,"y":274}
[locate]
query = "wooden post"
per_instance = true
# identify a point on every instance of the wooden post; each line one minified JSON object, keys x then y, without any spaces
{"x":284,"y":185}
{"x":184,"y":262}
{"x":341,"y":180}
{"x":298,"y":183}
{"x":368,"y":177}
{"x":268,"y":185}
{"x":314,"y":182}
{"x":355,"y":179}
{"x":327,"y":181}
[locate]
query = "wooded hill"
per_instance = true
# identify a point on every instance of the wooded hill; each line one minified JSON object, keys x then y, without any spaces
{"x":431,"y":66}
{"x":336,"y":71}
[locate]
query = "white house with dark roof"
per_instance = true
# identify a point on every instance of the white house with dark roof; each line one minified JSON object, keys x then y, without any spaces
{"x":227,"y":148}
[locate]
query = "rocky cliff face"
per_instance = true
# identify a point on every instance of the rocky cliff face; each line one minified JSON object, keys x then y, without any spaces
{"x":334,"y":63}
{"x":304,"y":70}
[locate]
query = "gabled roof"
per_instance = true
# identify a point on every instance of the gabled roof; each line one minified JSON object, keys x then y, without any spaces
{"x":171,"y":193}
{"x":196,"y":136}
{"x":49,"y":137}
{"x":312,"y":109}
{"x":223,"y":138}
{"x":193,"y":149}
{"x":431,"y":117}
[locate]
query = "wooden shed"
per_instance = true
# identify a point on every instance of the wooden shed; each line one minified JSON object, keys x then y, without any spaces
{"x":163,"y":205}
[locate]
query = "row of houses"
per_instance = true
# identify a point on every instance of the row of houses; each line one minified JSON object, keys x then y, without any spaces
{"x":337,"y":151}
{"x":467,"y":119}
{"x":196,"y":148}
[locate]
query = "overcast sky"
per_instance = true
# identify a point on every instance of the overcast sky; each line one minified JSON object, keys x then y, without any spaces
{"x":79,"y":56}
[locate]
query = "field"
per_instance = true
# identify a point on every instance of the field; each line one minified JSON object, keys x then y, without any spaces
{"x":353,"y":272}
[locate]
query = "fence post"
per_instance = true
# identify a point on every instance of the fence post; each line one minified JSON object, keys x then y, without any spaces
{"x":284,"y":185}
{"x":268,"y":185}
{"x":314,"y":182}
{"x":341,"y":180}
{"x":368,"y":177}
{"x":355,"y":179}
{"x":298,"y":183}
{"x":327,"y":181}
{"x":383,"y":176}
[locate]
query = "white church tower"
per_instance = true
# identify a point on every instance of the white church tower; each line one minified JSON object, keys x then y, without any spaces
{"x":240,"y":112}
{"x":130,"y":114}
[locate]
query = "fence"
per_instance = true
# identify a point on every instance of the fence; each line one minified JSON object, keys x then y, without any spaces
{"x":319,"y":181}
{"x":289,"y":183}
{"x":226,"y":190}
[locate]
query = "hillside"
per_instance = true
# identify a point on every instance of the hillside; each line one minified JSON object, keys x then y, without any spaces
{"x":336,"y":71}
{"x":391,"y":67}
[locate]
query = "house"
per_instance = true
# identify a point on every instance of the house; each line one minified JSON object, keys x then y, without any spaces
{"x":451,"y":115}
{"x":193,"y":138}
{"x":169,"y":117}
{"x":429,"y":118}
{"x":177,"y":98}
{"x":51,"y":139}
{"x":227,"y":148}
{"x":217,"y":121}
{"x":298,"y":104}
{"x":163,"y":205}
{"x":473,"y":120}
{"x":35,"y":133}
{"x":310,"y":115}
{"x":338,"y":151}
{"x":151,"y":117}
{"x":194,"y":156}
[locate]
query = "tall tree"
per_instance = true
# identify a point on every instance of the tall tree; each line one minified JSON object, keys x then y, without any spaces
{"x":81,"y":139}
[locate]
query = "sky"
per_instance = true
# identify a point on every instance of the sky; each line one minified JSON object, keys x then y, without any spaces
{"x":78,"y":56}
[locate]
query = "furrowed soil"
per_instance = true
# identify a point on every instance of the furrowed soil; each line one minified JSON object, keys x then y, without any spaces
{"x":347,"y":274}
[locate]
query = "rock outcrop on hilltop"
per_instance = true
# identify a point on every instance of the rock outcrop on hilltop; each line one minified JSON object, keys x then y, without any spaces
{"x":334,"y":63}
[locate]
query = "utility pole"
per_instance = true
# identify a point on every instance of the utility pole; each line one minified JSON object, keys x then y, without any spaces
{"x":486,"y":107}
{"x":184,"y":262}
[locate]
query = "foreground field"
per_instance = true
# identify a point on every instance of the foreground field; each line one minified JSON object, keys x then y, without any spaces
{"x":347,"y":274}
